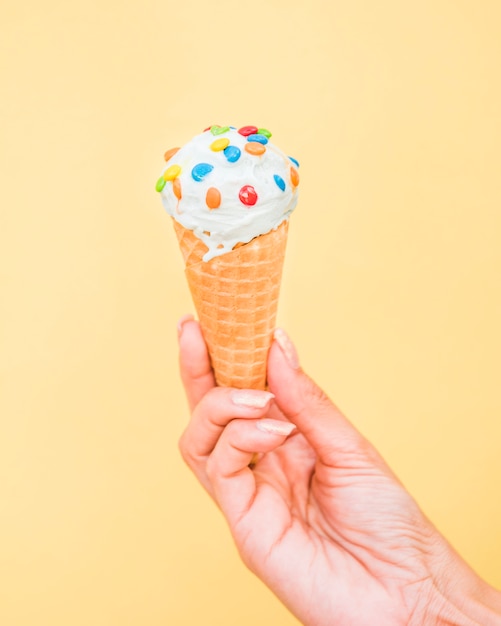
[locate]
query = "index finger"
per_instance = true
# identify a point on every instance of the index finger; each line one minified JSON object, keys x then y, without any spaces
{"x":194,"y":361}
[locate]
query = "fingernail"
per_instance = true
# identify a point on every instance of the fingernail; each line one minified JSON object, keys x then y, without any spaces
{"x":253,"y":399}
{"x":275,"y":427}
{"x":186,"y":318}
{"x":287,"y":347}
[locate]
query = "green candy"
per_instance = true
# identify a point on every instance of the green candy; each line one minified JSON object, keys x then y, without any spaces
{"x":219,"y":130}
{"x":264,"y":131}
{"x":160,"y":183}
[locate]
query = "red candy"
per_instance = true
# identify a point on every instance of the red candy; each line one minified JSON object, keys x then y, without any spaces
{"x":248,"y":195}
{"x":247,"y":130}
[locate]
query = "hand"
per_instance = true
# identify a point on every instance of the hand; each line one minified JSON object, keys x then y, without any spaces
{"x":313,"y":508}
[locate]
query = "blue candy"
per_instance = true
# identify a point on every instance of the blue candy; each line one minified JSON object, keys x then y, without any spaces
{"x":258,"y":138}
{"x":232,"y":153}
{"x":280,"y":181}
{"x":200,"y":171}
{"x":294,"y":161}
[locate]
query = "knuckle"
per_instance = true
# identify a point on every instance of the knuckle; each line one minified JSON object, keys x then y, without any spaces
{"x":211,"y":468}
{"x":314,"y":394}
{"x":359,"y":452}
{"x":186,"y":450}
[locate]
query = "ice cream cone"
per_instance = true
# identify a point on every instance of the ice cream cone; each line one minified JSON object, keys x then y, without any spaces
{"x":230,"y":193}
{"x":236,"y":299}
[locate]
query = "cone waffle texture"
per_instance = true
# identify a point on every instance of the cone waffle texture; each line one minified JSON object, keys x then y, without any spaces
{"x":236,"y":298}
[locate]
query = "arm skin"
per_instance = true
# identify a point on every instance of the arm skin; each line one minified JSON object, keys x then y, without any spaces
{"x":314,"y":510}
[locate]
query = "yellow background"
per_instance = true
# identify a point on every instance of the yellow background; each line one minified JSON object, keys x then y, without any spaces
{"x":391,"y":286}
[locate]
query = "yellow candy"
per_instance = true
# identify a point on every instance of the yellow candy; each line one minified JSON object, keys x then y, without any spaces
{"x":220,"y":144}
{"x":172,"y":172}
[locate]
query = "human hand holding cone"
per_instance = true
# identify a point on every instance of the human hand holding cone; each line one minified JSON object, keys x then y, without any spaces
{"x":232,"y":236}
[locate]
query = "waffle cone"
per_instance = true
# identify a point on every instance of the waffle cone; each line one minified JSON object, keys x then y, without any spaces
{"x":236,"y":298}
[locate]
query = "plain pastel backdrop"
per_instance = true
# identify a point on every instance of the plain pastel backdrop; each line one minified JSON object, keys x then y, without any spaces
{"x":391,"y":286}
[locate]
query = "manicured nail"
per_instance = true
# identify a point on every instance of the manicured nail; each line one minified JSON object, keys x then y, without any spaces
{"x":186,"y":318}
{"x":252,"y":398}
{"x":287,"y":347}
{"x":275,"y":427}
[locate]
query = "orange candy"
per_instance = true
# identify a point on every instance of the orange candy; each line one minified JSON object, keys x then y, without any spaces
{"x":255,"y":148}
{"x":176,"y":188}
{"x":170,"y":153}
{"x":213,"y":198}
{"x":294,"y":177}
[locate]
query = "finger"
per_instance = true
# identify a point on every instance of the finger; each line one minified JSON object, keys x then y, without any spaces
{"x":194,"y":361}
{"x":234,"y":483}
{"x":212,"y":414}
{"x":330,"y":434}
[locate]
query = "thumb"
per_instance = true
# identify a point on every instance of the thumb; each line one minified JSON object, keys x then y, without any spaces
{"x":330,"y":434}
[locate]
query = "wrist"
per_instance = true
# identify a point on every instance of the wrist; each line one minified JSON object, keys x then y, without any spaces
{"x":472,"y":609}
{"x":457,"y":596}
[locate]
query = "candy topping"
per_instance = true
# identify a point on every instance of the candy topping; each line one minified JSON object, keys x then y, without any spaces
{"x":248,"y":195}
{"x":258,"y":138}
{"x":232,"y":153}
{"x":220,"y":144}
{"x":294,"y":177}
{"x":280,"y":181}
{"x":200,"y":171}
{"x":255,"y":148}
{"x":264,"y":131}
{"x":213,"y":198}
{"x":170,"y":153}
{"x":248,"y":130}
{"x":219,"y":130}
{"x":296,"y":163}
{"x":172,"y":172}
{"x":161,"y":182}
{"x":176,"y":188}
